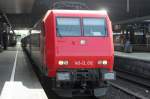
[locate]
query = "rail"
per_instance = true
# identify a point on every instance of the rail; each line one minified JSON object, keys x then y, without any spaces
{"x":132,"y":82}
{"x":126,"y":90}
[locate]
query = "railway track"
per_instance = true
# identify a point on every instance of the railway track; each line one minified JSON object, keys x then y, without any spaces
{"x":134,"y":78}
{"x":133,"y":94}
{"x":138,"y":87}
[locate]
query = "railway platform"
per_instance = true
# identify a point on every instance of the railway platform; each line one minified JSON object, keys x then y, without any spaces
{"x":145,"y":56}
{"x":135,"y":63}
{"x":18,"y":80}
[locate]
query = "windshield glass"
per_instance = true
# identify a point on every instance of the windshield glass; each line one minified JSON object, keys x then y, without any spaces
{"x":68,"y":27}
{"x":94,"y":27}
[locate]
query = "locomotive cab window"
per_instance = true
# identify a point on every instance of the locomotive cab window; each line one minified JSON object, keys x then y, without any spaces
{"x":94,"y":27}
{"x":68,"y":27}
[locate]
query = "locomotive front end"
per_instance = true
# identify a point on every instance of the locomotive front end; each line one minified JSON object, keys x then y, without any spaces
{"x":83,"y":54}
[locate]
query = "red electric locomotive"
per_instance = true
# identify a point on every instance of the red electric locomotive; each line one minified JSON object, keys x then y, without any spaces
{"x":74,"y":49}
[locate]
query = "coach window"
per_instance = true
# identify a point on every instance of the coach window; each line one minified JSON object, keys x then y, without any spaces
{"x":68,"y":27}
{"x":94,"y":27}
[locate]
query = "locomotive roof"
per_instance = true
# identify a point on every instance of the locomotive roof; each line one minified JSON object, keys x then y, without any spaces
{"x":90,"y":12}
{"x":79,"y":11}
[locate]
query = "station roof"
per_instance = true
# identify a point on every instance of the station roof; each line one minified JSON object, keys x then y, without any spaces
{"x":24,"y":13}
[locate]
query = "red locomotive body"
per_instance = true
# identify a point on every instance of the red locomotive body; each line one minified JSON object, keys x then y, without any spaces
{"x":75,"y":50}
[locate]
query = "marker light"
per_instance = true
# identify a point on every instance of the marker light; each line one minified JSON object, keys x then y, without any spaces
{"x":102,"y":62}
{"x":61,"y":62}
{"x":105,"y":62}
{"x":66,"y":62}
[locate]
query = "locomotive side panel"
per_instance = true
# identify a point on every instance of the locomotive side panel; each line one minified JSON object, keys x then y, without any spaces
{"x":49,"y":43}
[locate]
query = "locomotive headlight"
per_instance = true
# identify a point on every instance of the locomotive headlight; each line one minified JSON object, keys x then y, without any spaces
{"x":66,"y":62}
{"x":102,"y":62}
{"x":105,"y":62}
{"x":61,"y":62}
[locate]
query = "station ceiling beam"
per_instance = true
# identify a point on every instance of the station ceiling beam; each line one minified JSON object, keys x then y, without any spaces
{"x":134,"y":20}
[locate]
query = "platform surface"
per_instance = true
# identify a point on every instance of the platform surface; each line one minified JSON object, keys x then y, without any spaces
{"x":138,"y":55}
{"x":17,"y":78}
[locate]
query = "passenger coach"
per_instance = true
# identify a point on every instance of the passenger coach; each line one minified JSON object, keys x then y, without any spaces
{"x":74,"y":49}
